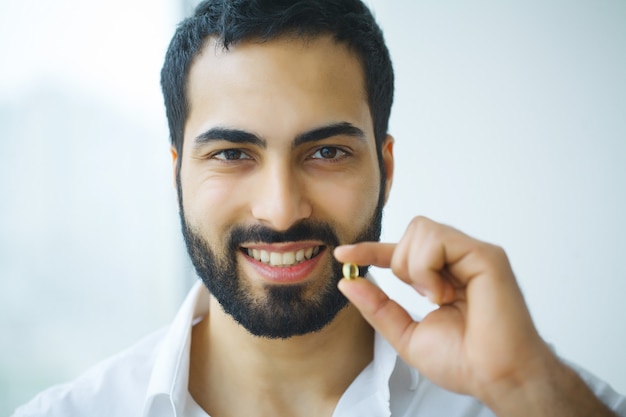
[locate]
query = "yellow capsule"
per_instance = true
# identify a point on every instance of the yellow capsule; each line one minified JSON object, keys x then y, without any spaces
{"x":350,"y":271}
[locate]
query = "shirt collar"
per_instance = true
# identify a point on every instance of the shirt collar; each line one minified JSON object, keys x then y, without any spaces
{"x":167,"y":392}
{"x":168,"y":386}
{"x":369,"y":392}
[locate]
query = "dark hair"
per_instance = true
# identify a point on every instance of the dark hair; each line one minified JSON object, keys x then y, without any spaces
{"x":233,"y":21}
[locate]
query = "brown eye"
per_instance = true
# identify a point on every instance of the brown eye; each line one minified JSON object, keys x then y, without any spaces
{"x":231,"y":155}
{"x":328,"y":152}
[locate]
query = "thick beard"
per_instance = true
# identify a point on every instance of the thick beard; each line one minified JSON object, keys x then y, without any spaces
{"x":284,"y":311}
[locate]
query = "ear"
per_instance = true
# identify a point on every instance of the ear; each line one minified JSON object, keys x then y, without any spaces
{"x":174,"y":154}
{"x":387,"y":154}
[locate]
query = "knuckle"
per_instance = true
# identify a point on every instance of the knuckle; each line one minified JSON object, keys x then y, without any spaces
{"x":399,"y":268}
{"x":498,"y":251}
{"x":495,"y":252}
{"x":495,"y":255}
{"x":419,"y":222}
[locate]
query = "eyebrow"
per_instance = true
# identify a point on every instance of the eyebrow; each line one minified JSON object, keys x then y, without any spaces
{"x":241,"y":136}
{"x":229,"y":135}
{"x":329,"y":131}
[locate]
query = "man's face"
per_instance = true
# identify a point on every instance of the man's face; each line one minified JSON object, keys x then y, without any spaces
{"x":279,"y":165}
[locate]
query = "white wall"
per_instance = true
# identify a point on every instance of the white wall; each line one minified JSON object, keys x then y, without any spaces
{"x":90,"y":253}
{"x":510,"y":124}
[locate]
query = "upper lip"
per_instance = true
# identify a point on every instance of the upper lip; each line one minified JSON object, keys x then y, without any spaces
{"x":282,"y":247}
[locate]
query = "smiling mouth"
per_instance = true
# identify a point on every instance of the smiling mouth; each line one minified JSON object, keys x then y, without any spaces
{"x":283,"y":259}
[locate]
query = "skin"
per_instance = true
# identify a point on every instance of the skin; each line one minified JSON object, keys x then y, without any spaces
{"x":481,"y":342}
{"x":492,"y":349}
{"x":278,"y":91}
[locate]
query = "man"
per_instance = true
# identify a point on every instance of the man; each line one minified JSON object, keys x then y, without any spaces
{"x":278,"y":116}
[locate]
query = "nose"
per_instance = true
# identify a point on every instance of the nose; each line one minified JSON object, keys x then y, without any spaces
{"x":279,"y":198}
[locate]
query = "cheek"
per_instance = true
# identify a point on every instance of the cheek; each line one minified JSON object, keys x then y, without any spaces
{"x":209,"y":204}
{"x":350,"y":204}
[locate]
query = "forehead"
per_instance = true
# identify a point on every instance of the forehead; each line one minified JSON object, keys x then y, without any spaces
{"x":276,"y":87}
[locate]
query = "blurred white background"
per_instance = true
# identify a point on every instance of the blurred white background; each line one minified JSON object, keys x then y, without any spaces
{"x":90,"y":253}
{"x":510,"y":124}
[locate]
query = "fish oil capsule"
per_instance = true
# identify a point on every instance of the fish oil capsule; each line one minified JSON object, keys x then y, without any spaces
{"x":350,"y":271}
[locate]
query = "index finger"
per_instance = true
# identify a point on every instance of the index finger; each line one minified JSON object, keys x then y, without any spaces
{"x":366,"y":253}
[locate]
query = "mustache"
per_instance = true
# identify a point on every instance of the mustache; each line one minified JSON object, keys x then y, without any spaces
{"x":305,"y":230}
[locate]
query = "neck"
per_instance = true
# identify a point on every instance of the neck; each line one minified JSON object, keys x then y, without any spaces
{"x":299,"y":376}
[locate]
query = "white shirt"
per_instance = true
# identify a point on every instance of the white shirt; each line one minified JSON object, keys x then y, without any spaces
{"x":150,"y":379}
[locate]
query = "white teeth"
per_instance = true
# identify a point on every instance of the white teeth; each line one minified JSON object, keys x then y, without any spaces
{"x":289,"y":258}
{"x":276,"y":259}
{"x":283,"y":258}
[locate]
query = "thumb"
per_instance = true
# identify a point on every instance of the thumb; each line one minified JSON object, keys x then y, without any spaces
{"x":385,"y":315}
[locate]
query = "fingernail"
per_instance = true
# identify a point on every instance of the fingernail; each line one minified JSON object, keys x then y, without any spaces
{"x":428,"y":294}
{"x":422,"y":291}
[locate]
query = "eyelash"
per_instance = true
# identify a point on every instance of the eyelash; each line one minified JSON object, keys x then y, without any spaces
{"x":339,"y":153}
{"x":241,"y":155}
{"x":221,"y":155}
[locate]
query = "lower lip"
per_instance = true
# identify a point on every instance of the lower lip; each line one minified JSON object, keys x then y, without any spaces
{"x":285,"y":274}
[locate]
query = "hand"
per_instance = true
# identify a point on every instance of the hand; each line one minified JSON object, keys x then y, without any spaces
{"x":481,"y":341}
